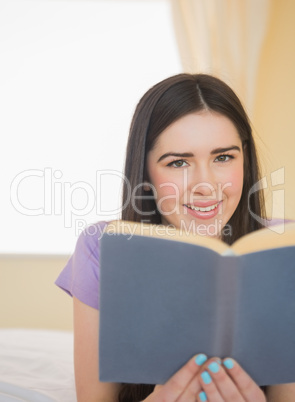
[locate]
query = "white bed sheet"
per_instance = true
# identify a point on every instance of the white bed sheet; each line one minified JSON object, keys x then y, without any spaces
{"x":34,"y":362}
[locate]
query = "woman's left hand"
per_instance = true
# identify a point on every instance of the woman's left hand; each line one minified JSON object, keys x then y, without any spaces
{"x":228,"y":382}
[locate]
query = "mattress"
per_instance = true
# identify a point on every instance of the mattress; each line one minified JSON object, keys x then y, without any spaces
{"x":36,"y":365}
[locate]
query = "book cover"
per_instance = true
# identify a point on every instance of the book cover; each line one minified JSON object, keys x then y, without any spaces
{"x":166,"y":296}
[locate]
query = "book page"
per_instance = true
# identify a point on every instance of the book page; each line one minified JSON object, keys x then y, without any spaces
{"x":263,"y":239}
{"x":266,"y":239}
{"x":165,"y":233}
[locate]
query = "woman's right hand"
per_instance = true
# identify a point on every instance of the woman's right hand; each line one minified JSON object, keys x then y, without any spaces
{"x":184,"y":385}
{"x":227,"y":381}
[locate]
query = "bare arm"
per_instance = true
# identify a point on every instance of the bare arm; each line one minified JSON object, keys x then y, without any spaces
{"x":88,"y":387}
{"x":281,"y":393}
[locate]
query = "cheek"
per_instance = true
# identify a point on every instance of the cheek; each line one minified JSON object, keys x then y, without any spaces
{"x":164,"y":184}
{"x":234,"y":185}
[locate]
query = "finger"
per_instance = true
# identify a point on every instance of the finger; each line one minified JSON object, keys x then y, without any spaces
{"x":191,"y":391}
{"x":158,"y":388}
{"x":181,"y":381}
{"x":210,"y":391}
{"x":194,"y":388}
{"x":218,"y":385}
{"x":247,"y":386}
{"x":202,"y":397}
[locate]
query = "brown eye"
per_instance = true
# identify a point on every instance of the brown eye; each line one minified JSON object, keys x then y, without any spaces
{"x":177,"y":164}
{"x":224,"y":158}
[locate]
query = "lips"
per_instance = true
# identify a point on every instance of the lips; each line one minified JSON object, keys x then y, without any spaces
{"x":204,"y":210}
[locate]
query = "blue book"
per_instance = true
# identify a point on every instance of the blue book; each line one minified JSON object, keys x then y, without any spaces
{"x":167,"y":295}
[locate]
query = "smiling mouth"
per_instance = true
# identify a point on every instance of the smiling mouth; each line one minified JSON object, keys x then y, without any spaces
{"x":203,"y":209}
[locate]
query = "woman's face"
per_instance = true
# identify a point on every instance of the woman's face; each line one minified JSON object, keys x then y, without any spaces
{"x":196,"y":172}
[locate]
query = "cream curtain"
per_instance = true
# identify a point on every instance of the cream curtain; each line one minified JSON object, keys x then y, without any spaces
{"x":224,"y":38}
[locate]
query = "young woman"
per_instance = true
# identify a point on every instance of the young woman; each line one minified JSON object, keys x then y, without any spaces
{"x":190,"y":162}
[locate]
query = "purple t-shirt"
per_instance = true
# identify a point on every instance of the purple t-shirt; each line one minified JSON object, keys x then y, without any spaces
{"x":80,"y":277}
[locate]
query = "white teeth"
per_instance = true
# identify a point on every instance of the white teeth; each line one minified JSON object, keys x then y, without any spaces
{"x":206,"y":209}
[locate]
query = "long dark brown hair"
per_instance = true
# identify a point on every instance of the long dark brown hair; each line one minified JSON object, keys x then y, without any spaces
{"x":162,"y":105}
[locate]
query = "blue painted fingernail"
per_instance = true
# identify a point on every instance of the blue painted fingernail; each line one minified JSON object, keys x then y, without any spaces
{"x":214,"y":367}
{"x":200,"y":359}
{"x":203,"y":396}
{"x":206,"y":377}
{"x":228,"y":363}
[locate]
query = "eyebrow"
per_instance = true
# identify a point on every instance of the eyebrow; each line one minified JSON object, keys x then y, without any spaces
{"x":222,"y":150}
{"x":176,"y":154}
{"x":190,"y":154}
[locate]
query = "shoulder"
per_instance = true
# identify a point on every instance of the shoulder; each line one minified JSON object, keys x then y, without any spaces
{"x":80,"y":277}
{"x":87,"y":251}
{"x":90,"y":237}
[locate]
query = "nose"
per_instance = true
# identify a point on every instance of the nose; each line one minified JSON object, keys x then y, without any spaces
{"x":204,"y":189}
{"x":202,"y":183}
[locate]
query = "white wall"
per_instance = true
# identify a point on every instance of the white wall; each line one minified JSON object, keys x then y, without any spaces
{"x":71,"y":73}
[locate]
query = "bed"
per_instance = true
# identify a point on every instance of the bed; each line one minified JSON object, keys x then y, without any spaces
{"x":36,"y":338}
{"x":36,"y":365}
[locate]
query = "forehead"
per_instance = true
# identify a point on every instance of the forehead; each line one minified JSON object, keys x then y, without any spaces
{"x":198,"y":130}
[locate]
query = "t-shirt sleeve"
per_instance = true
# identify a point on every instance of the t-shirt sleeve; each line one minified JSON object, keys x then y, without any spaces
{"x":81,"y":275}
